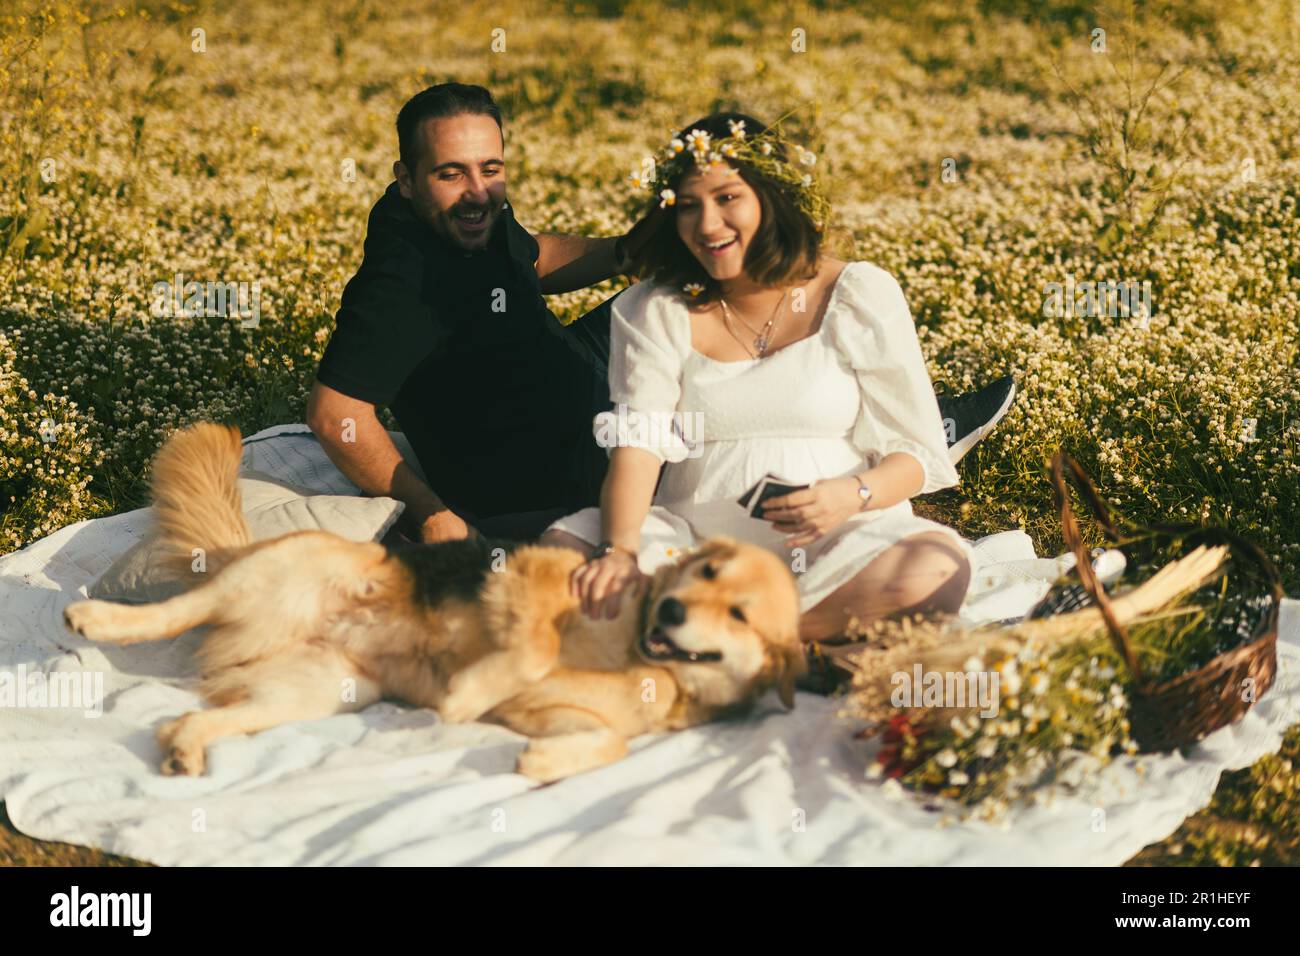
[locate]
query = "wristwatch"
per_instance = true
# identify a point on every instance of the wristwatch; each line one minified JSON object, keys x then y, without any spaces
{"x":605,"y":549}
{"x":863,"y":492}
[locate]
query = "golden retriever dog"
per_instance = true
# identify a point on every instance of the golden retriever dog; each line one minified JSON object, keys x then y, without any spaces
{"x":309,"y":625}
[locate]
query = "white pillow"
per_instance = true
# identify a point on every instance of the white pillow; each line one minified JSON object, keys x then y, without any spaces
{"x":293,"y":453}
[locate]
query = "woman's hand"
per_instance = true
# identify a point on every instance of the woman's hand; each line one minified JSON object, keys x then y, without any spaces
{"x":599,"y":584}
{"x":808,"y":514}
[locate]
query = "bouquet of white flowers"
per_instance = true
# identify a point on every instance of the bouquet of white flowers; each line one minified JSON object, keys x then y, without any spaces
{"x":1167,"y":650}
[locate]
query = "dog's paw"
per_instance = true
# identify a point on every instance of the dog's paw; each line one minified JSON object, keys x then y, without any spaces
{"x":180,"y":756}
{"x":97,"y":620}
{"x":553,"y":758}
{"x":458,"y":710}
{"x":462,"y":703}
{"x":187,"y":763}
{"x":79,"y":617}
{"x":538,"y":763}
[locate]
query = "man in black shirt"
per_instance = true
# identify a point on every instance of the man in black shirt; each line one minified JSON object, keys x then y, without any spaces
{"x":445,"y":323}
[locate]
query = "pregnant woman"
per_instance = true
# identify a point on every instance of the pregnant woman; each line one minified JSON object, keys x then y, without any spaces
{"x":768,"y":358}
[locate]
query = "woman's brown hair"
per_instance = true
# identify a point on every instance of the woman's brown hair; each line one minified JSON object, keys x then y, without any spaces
{"x":786,"y":246}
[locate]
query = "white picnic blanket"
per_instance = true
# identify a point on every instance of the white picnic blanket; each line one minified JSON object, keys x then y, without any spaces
{"x":392,"y":785}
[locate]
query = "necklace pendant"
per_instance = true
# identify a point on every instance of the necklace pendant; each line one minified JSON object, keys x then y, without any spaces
{"x":761,"y":344}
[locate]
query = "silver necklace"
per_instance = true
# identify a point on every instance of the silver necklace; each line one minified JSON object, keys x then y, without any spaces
{"x":736,"y":335}
{"x":763,"y":339}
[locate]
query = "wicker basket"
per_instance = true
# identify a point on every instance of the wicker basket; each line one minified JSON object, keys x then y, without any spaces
{"x":1169,"y":714}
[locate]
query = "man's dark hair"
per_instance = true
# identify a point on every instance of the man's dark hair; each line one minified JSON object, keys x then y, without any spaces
{"x":786,"y":245}
{"x":445,"y":99}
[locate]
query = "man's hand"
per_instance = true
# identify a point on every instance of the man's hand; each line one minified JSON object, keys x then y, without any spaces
{"x":373,"y":463}
{"x":636,"y":238}
{"x":446,"y":525}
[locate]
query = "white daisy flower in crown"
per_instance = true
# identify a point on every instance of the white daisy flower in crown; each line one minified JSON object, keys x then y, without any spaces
{"x":693,"y":289}
{"x":765,"y":148}
{"x":728,"y":150}
{"x":644,"y":176}
{"x":676,"y":146}
{"x":807,"y":180}
{"x":958,"y":778}
{"x":667,"y":198}
{"x":697,"y":141}
{"x":807,"y":157}
{"x":737,"y":128}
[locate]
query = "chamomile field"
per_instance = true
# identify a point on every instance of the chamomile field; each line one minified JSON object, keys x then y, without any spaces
{"x":988,"y":154}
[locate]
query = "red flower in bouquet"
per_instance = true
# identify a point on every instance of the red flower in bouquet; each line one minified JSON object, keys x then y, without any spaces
{"x":891,"y":755}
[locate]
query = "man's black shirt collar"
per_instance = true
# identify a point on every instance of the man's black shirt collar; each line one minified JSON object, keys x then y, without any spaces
{"x":508,"y":237}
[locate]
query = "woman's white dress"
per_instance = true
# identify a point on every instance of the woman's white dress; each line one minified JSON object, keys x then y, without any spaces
{"x":828,"y":405}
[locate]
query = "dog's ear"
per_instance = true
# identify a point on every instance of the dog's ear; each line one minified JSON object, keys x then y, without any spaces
{"x":719,"y":545}
{"x":791,"y":664}
{"x":660,"y":580}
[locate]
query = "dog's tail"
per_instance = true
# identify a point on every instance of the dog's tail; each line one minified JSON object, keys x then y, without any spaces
{"x":200,"y":521}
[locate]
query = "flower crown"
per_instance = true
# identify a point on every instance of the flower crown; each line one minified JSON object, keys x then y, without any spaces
{"x":789,"y":164}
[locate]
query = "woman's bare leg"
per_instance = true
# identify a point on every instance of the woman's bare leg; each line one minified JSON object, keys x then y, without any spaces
{"x":923,"y":573}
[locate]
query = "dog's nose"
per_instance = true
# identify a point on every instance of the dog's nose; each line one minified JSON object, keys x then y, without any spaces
{"x":672,"y":612}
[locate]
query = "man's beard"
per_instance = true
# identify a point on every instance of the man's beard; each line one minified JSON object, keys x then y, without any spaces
{"x":458,"y":226}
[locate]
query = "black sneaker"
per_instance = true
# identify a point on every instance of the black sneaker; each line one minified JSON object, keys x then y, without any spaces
{"x":970,"y":416}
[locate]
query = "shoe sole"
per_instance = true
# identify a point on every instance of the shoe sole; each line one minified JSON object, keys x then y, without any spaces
{"x":959,"y":449}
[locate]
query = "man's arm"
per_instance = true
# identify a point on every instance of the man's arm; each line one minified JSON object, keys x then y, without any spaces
{"x":373,"y":463}
{"x":566,"y":263}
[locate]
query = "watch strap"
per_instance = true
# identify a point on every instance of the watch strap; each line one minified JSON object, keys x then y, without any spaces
{"x":606,"y":548}
{"x":864,"y":493}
